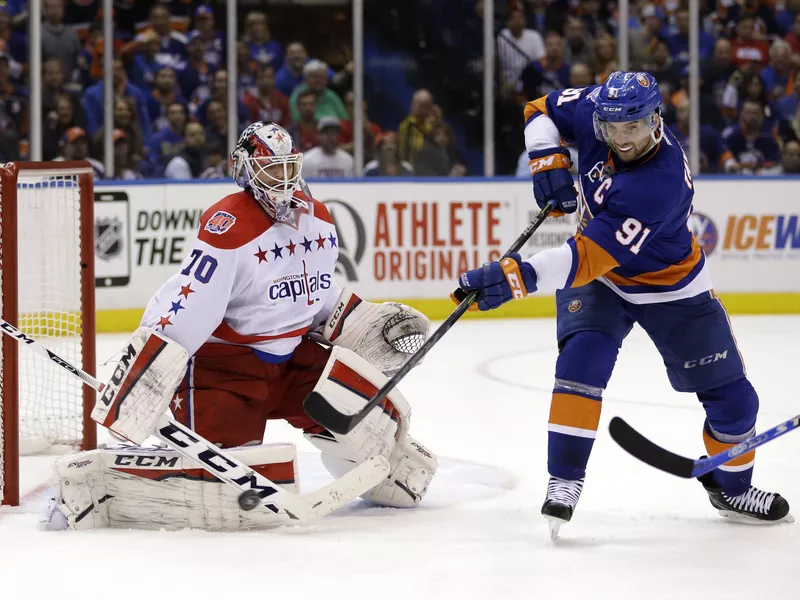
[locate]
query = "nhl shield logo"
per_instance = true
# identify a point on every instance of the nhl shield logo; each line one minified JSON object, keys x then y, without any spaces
{"x":108,"y":238}
{"x":575,"y":306}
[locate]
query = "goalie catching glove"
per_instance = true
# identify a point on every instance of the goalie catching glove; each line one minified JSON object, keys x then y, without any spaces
{"x":385,"y":335}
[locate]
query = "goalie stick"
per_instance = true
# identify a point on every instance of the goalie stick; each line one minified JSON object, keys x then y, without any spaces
{"x":292,"y":508}
{"x":638,"y":446}
{"x":319,"y":409}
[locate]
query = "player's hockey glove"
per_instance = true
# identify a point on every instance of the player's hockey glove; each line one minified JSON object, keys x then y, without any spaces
{"x":497,"y":282}
{"x":552,"y":179}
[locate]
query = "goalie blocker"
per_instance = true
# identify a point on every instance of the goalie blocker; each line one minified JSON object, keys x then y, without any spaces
{"x":227,"y":395}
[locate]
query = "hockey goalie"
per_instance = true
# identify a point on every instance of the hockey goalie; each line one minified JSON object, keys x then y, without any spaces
{"x":263,"y":322}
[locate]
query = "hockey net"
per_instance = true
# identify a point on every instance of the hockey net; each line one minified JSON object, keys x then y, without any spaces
{"x":47,"y":291}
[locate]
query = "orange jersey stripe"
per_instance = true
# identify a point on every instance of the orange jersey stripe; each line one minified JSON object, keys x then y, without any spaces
{"x":534,"y":106}
{"x":570,"y":410}
{"x":593,"y":261}
{"x":666,"y":277}
{"x":715,"y":447}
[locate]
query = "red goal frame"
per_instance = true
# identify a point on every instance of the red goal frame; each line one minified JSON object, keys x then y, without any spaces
{"x":9,"y":401}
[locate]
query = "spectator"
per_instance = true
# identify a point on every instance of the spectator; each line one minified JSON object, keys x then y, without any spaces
{"x":53,"y":87}
{"x":580,"y":75}
{"x":578,"y":47}
{"x":166,"y":143}
{"x":387,"y":163}
{"x":790,"y":159}
{"x":164,"y":93}
{"x":172,"y":44}
{"x":787,"y":16}
{"x":13,"y":113}
{"x":246,"y":67}
{"x":304,"y":130}
{"x":741,"y":88}
{"x":216,"y":163}
{"x":124,"y":164}
{"x":718,"y":70}
{"x":661,"y":66}
{"x":217,"y":127}
{"x":544,"y":16}
{"x":748,"y":50}
{"x":211,"y":40}
{"x":778,"y":77}
{"x":58,"y":41}
{"x":793,"y":38}
{"x":435,"y":158}
{"x":714,"y":154}
{"x":550,"y":73}
{"x":191,"y":161}
{"x":290,"y":74}
{"x":754,"y":146}
{"x":679,"y":42}
{"x":604,"y":60}
{"x":517,"y":46}
{"x":328,"y":161}
{"x":147,"y":61}
{"x":56,"y":124}
{"x":643,"y":39}
{"x":124,"y":119}
{"x":315,"y":74}
{"x":218,"y":92}
{"x":416,"y":126}
{"x":75,"y":146}
{"x":371,"y":130}
{"x":263,"y":49}
{"x":786,"y":107}
{"x":93,"y":100}
{"x":265,"y":103}
{"x":13,"y":43}
{"x":195,"y":72}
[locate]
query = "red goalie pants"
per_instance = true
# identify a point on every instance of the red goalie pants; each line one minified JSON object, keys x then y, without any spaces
{"x":229,"y":394}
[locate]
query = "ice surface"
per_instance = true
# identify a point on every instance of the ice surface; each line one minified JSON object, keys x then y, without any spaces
{"x":480,"y":401}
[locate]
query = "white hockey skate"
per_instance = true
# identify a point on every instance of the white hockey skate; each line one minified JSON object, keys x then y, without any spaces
{"x":562,"y":497}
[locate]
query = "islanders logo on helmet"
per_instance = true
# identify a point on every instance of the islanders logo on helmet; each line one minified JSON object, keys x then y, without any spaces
{"x":642,"y":80}
{"x":220,"y":222}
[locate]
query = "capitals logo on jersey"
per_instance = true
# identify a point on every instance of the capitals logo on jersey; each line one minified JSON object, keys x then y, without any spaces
{"x":220,"y":222}
{"x":299,"y":285}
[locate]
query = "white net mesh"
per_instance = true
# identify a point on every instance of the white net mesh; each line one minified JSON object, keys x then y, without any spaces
{"x":49,"y":287}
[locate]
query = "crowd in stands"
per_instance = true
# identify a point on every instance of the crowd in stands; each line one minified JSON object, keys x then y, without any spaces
{"x":749,"y":53}
{"x":170,"y":110}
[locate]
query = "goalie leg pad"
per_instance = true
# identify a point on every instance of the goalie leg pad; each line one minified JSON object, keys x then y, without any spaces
{"x":156,"y":488}
{"x":348,"y":382}
{"x":141,"y":388}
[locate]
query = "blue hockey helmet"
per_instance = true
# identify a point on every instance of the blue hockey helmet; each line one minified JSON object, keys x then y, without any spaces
{"x":628,"y":96}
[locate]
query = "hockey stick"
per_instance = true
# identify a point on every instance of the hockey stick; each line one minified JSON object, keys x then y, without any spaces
{"x":321,"y":411}
{"x":254,"y":488}
{"x":638,"y":446}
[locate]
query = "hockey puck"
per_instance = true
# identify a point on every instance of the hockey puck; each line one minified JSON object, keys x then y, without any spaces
{"x":249,"y":500}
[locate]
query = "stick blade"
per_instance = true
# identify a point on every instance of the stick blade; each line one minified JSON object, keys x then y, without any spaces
{"x":321,"y":411}
{"x":638,"y":446}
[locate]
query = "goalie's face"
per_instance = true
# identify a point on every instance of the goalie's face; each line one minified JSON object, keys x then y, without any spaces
{"x":277,"y":176}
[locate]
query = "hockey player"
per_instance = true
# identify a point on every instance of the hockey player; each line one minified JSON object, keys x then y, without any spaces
{"x":633,"y":260}
{"x":256,"y":286}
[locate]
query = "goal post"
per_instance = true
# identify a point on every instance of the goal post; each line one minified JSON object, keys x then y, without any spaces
{"x":47,"y":291}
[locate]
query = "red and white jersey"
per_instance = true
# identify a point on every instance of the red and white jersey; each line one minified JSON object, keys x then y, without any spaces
{"x":249,"y":280}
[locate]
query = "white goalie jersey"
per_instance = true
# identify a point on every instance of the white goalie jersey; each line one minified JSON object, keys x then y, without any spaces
{"x":250,"y":280}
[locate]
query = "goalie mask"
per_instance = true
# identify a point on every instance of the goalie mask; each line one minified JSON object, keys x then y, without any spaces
{"x":267,"y":162}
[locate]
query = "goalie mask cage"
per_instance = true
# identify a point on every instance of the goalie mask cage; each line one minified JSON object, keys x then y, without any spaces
{"x":47,"y":291}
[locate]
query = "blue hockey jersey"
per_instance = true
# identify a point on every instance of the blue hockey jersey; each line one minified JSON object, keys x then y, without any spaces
{"x":633,"y":234}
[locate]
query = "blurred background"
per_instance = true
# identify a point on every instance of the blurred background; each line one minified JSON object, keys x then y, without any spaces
{"x":381,"y":87}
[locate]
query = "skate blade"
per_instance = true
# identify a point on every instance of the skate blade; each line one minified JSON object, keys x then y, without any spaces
{"x":745,"y":520}
{"x":554,"y":525}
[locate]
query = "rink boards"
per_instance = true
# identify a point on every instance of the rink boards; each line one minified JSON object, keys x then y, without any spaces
{"x":408,"y":240}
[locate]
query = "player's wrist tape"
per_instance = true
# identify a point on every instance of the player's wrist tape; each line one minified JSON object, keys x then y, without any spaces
{"x":513,"y":275}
